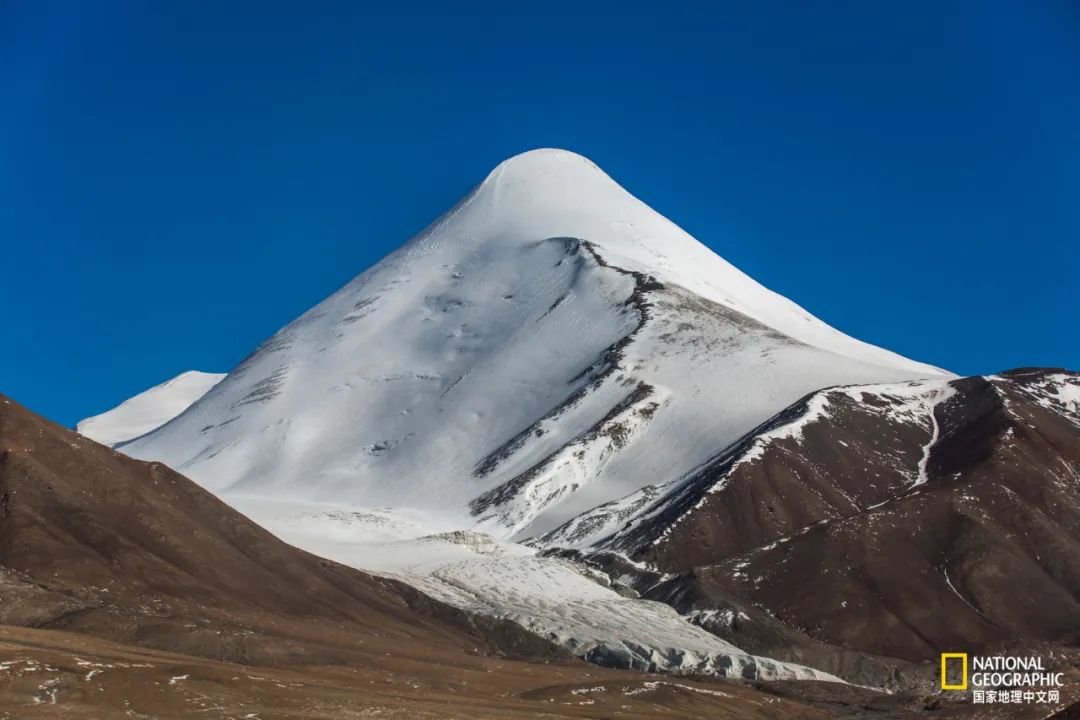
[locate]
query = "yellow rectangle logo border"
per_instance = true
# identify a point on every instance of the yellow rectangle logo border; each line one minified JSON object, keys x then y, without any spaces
{"x":945,"y":657}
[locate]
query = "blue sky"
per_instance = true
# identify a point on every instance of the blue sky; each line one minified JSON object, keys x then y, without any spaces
{"x":178,"y":180}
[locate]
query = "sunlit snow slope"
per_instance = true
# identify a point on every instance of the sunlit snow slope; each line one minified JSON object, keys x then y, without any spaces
{"x":149,"y":409}
{"x":548,"y":345}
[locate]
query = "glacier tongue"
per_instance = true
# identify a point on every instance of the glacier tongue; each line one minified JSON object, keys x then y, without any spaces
{"x":556,"y":599}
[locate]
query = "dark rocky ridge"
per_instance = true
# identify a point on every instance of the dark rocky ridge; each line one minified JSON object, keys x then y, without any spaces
{"x":876,"y":536}
{"x":830,"y":533}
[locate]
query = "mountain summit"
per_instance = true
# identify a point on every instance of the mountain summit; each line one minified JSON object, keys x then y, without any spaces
{"x":548,"y":345}
{"x":551,"y":193}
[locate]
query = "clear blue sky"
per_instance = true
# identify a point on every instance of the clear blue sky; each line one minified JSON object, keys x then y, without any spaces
{"x":178,"y":181}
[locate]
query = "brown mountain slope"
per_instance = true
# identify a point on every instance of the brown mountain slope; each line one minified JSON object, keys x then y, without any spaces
{"x":900,"y":521}
{"x":95,"y":542}
{"x":865,"y":529}
{"x":128,"y":591}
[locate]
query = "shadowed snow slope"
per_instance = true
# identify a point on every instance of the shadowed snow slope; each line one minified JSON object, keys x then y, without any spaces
{"x":548,"y":345}
{"x":149,"y":409}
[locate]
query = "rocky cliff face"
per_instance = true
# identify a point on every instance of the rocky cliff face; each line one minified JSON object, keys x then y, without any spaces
{"x":894,"y":520}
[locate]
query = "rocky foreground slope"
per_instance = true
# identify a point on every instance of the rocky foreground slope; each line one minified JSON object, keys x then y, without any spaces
{"x":94,"y":542}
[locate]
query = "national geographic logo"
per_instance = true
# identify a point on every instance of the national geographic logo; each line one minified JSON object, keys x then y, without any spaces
{"x":946,"y":675}
{"x":1001,"y":678}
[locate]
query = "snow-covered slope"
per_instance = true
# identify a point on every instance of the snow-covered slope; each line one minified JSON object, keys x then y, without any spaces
{"x":548,"y":345}
{"x":149,"y":409}
{"x":737,"y":498}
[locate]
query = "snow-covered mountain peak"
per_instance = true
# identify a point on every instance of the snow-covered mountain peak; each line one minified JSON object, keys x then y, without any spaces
{"x":552,"y":193}
{"x":550,"y":162}
{"x":556,"y":179}
{"x":149,"y":409}
{"x":549,"y":344}
{"x":549,"y":193}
